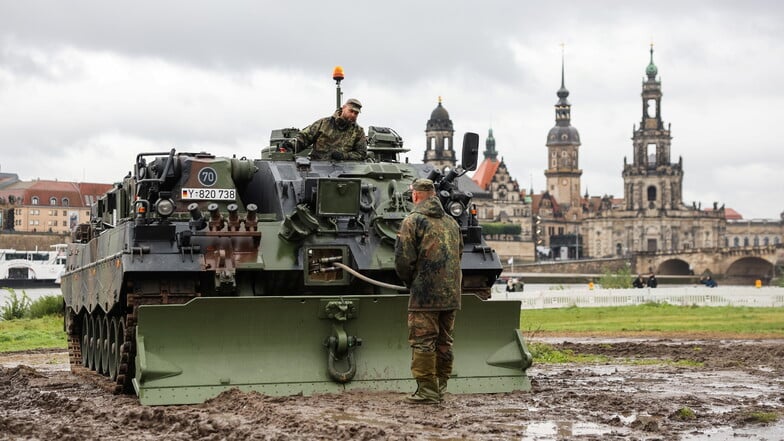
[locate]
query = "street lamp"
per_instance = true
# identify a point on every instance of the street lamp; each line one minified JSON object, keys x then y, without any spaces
{"x":577,"y":243}
{"x":537,"y":236}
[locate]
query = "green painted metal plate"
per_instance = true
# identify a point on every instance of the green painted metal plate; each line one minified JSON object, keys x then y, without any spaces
{"x":275,"y":345}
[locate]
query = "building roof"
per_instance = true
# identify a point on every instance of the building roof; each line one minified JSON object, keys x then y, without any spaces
{"x":729,"y":214}
{"x":7,"y":179}
{"x":464,"y":183}
{"x":536,"y":203}
{"x":77,"y":194}
{"x":485,"y":172}
{"x":439,"y":119}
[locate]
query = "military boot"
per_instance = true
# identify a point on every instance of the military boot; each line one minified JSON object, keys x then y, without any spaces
{"x":423,"y":368}
{"x":443,"y":372}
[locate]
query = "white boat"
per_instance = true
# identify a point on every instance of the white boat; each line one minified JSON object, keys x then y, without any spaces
{"x":32,"y":268}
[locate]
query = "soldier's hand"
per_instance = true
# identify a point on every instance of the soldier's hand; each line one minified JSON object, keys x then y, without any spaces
{"x":337,"y":155}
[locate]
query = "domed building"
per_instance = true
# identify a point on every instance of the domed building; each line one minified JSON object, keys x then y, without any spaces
{"x":439,"y":134}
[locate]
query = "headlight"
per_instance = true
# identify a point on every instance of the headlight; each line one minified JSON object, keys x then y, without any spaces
{"x":456,"y":209}
{"x":164,"y":207}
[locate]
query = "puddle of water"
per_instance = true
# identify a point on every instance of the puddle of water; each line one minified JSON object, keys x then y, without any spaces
{"x":555,"y":430}
{"x":45,"y":362}
{"x":626,"y":419}
{"x":772,"y":432}
{"x":729,"y":383}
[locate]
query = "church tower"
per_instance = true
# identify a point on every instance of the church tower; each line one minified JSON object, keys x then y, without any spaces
{"x":490,"y":152}
{"x":651,"y":182}
{"x":439,"y":150}
{"x":563,"y":143}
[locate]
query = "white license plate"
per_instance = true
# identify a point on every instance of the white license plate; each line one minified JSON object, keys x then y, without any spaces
{"x":214,"y":194}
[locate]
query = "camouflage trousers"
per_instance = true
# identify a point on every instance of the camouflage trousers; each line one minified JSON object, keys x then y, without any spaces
{"x":432,"y":331}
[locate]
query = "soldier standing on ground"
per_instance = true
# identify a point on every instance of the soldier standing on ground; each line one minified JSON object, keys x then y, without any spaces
{"x":427,"y":258}
{"x":336,"y":137}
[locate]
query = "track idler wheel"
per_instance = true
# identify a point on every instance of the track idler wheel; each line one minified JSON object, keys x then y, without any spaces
{"x":86,"y":340}
{"x":114,"y":349}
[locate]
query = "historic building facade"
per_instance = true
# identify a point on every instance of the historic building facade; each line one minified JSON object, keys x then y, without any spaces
{"x":500,"y":200}
{"x":44,"y":206}
{"x":650,"y":217}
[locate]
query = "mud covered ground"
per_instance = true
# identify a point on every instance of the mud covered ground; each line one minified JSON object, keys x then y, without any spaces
{"x":660,"y":389}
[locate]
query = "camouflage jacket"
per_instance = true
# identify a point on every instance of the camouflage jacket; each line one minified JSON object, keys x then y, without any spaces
{"x":334,"y":134}
{"x":427,"y":257}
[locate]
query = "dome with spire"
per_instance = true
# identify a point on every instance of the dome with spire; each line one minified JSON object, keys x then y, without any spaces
{"x":563,"y":133}
{"x":651,"y":70}
{"x":439,"y":118}
{"x":563,"y":93}
{"x":490,"y":152}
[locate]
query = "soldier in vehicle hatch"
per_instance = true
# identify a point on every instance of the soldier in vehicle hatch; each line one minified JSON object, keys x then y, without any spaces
{"x":428,"y":250}
{"x":337,"y":137}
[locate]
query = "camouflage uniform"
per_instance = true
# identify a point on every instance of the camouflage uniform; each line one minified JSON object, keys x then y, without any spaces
{"x":334,"y":134}
{"x":427,"y":258}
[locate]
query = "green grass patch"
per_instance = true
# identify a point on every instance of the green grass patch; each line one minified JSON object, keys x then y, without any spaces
{"x":658,"y":361}
{"x":685,"y":413}
{"x":40,"y":333}
{"x":544,"y":353}
{"x":656,"y":317}
{"x":761,"y":417}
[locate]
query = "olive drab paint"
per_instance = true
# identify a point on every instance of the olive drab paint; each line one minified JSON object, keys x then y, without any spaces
{"x":199,"y":273}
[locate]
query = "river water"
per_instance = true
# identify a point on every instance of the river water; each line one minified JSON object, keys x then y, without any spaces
{"x":32,"y":293}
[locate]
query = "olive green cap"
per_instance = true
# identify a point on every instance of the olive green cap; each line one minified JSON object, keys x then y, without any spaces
{"x":423,"y":185}
{"x":354,"y":103}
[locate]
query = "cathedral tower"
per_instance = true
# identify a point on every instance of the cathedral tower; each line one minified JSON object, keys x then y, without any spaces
{"x":651,"y":181}
{"x":439,"y":150}
{"x":563,"y":142}
{"x":490,"y":152}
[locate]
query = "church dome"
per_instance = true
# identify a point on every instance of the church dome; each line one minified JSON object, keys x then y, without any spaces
{"x":439,"y":118}
{"x":651,"y":70}
{"x":560,"y":135}
{"x":439,"y":113}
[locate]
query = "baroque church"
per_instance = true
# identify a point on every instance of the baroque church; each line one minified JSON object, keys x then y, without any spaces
{"x":561,"y":223}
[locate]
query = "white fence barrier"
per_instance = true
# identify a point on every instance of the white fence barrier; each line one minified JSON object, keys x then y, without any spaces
{"x":682,"y":296}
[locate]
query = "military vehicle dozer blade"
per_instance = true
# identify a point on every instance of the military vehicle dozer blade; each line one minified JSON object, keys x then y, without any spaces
{"x":303,"y":345}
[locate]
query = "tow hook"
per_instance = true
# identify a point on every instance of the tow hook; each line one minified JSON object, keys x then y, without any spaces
{"x":341,"y":345}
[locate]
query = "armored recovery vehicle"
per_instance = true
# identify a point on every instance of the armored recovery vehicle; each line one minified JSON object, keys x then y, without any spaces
{"x":200,"y":273}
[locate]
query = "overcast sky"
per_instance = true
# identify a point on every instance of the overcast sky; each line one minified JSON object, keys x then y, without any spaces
{"x":86,"y":85}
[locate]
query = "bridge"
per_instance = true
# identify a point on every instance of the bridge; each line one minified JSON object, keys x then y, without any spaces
{"x":732,"y":264}
{"x":735,"y":266}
